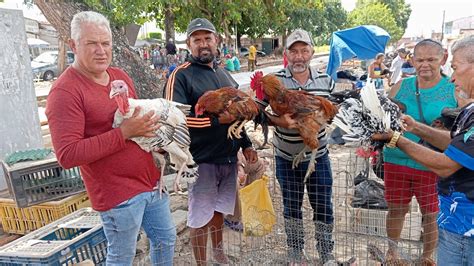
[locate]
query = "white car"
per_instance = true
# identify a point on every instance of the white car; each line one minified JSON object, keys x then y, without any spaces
{"x":45,"y":66}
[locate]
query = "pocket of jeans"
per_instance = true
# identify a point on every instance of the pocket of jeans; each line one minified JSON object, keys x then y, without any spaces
{"x":124,"y":203}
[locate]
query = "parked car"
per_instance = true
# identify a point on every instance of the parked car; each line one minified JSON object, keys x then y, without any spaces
{"x":244,"y":52}
{"x":45,"y":65}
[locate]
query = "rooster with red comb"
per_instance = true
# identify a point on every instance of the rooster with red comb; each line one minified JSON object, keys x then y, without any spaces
{"x":306,"y":112}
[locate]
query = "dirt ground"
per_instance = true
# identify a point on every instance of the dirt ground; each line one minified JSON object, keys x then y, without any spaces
{"x":352,"y":234}
{"x":271,"y":249}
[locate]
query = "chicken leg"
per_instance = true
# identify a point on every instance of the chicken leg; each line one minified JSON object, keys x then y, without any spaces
{"x":311,"y":165}
{"x":161,"y":158}
{"x":236,"y":132}
{"x":298,"y":158}
{"x":231,"y":129}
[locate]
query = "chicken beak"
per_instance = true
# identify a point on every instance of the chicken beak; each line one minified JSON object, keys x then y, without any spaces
{"x":113,"y":93}
{"x":197,"y":110}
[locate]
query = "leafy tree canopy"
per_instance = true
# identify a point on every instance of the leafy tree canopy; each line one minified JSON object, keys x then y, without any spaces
{"x":400,"y":10}
{"x":378,"y":14}
{"x":251,"y":17}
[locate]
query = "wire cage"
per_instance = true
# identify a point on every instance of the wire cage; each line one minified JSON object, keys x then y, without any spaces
{"x":359,"y":233}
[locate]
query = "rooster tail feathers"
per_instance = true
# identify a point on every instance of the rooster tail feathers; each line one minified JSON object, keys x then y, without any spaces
{"x":328,"y":107}
{"x":262,"y":119}
{"x":371,"y":100}
{"x":340,"y":121}
{"x":185,"y":108}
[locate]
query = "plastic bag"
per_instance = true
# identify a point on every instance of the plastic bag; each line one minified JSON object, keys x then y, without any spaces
{"x":369,"y":194}
{"x":258,"y":216}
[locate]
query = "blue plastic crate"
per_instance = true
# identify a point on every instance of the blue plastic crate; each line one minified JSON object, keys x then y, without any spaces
{"x":72,"y":239}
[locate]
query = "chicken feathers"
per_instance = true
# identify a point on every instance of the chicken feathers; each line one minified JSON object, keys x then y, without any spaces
{"x":172,"y":136}
{"x":311,"y":112}
{"x":228,"y":99}
{"x":372,"y":113}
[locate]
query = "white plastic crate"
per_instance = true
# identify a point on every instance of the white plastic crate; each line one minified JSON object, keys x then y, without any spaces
{"x":67,"y":241}
{"x":373,"y":222}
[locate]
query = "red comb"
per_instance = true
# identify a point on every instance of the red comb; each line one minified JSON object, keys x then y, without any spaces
{"x":256,"y":84}
{"x":256,"y":80}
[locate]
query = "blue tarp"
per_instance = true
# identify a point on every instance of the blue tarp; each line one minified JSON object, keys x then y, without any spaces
{"x":363,"y":42}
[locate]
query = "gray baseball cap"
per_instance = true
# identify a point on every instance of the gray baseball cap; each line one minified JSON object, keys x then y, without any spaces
{"x":200,"y":24}
{"x":298,"y":35}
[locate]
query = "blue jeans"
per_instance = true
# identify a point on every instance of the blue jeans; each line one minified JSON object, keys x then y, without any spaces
{"x":454,"y":249}
{"x":122,"y":224}
{"x":319,"y":187}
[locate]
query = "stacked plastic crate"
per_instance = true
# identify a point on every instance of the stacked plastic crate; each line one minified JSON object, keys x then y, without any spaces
{"x":72,"y":239}
{"x":42,"y":193}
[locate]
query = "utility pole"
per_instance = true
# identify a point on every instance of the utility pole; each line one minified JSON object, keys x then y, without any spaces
{"x":442,"y":27}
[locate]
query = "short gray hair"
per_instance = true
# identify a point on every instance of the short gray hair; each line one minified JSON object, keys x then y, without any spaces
{"x":467,"y":45}
{"x":87,"y":17}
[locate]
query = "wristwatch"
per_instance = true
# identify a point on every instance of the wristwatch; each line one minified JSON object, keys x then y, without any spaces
{"x":393,"y":141}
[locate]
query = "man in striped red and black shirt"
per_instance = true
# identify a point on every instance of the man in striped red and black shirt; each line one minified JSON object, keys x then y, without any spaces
{"x":213,"y":194}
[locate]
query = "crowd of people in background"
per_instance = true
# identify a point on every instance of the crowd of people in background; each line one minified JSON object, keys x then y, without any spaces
{"x":164,"y":59}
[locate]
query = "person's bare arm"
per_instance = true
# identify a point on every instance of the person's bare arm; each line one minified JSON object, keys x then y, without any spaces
{"x":436,"y":137}
{"x":394,"y":90}
{"x":371,"y":72}
{"x":437,"y":162}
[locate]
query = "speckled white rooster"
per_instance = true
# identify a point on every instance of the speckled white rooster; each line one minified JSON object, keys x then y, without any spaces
{"x":172,"y":135}
{"x":371,"y":113}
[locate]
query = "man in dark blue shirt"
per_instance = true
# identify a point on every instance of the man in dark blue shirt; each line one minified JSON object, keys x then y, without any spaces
{"x":455,"y":166}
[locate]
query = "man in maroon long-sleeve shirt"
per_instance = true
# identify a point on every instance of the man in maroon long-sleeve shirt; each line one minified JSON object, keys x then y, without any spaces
{"x":119,"y":176}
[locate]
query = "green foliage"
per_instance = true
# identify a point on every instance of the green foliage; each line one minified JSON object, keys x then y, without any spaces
{"x":321,"y":49}
{"x":123,"y":12}
{"x":400,"y":10}
{"x":335,"y":18}
{"x":319,"y":17}
{"x":155,"y":35}
{"x":375,"y":14}
{"x":254,"y":18}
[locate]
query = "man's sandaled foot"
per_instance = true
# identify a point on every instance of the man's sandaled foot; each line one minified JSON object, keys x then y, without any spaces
{"x":219,"y":256}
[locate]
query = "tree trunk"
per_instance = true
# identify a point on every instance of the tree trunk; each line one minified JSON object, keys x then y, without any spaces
{"x":61,"y":56}
{"x":60,"y":13}
{"x":238,"y":36}
{"x":227,"y":34}
{"x":169,"y":23}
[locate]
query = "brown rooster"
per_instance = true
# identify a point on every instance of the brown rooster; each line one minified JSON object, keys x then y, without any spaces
{"x":228,"y":99}
{"x":310,"y":112}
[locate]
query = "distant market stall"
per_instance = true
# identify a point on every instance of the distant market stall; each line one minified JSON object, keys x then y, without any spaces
{"x":362,"y":42}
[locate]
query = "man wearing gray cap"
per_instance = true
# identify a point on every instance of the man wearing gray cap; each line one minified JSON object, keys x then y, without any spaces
{"x":213,"y":194}
{"x":298,"y":75}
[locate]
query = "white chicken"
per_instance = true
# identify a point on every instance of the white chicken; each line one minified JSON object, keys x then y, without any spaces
{"x":172,"y":135}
